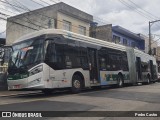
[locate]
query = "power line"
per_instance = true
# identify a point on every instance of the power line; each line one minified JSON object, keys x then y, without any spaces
{"x":138,"y":11}
{"x":21,"y":5}
{"x":144,"y":10}
{"x":132,"y":8}
{"x":24,"y":8}
{"x":44,"y":2}
{"x":4,"y":14}
{"x":20,"y":24}
{"x":42,"y":15}
{"x":16,"y":23}
{"x":52,"y":18}
{"x":5,"y":2}
{"x":155,"y":40}
{"x":14,"y":7}
{"x":155,"y":34}
{"x":25,"y":16}
{"x":146,"y":14}
{"x":54,"y":1}
{"x":37,"y":3}
{"x":2,"y":18}
{"x":36,"y":12}
{"x":7,"y":10}
{"x":28,"y":22}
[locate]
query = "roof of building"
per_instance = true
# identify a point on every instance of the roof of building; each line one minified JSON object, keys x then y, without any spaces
{"x":61,"y":7}
{"x":126,"y":32}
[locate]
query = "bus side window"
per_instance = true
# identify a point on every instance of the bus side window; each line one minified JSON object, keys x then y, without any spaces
{"x":68,"y":62}
{"x":124,"y":65}
{"x":83,"y":58}
{"x":102,"y":56}
{"x":54,"y":55}
{"x":102,"y":62}
{"x":114,"y":60}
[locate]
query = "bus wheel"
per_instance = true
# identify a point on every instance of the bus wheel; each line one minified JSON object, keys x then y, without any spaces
{"x":76,"y":84}
{"x":120,"y":81}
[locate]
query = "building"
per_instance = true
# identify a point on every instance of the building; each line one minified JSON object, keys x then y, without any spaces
{"x":155,"y":49}
{"x":158,"y":58}
{"x":123,"y":36}
{"x":118,"y":35}
{"x":58,"y":16}
{"x":154,"y":44}
{"x":101,"y":32}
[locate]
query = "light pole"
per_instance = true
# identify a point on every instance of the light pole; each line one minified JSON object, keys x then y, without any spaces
{"x":150,"y":24}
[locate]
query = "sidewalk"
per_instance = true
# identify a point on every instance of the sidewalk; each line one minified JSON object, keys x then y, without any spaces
{"x":12,"y":93}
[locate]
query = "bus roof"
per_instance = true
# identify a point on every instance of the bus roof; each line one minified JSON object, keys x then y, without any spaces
{"x":71,"y":35}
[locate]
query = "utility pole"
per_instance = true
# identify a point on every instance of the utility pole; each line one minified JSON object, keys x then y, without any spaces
{"x":150,"y":37}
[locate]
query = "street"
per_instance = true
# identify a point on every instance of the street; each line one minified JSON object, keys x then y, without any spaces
{"x":130,"y":98}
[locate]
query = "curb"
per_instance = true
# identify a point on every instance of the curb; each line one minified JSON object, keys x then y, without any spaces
{"x":15,"y":94}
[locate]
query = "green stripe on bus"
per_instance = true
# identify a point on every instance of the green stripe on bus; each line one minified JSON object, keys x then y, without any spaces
{"x":18,"y":76}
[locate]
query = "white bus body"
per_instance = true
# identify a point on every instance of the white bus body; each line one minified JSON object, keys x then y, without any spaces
{"x":30,"y":70}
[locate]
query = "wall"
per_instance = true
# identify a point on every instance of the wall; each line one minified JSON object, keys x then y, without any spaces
{"x":139,"y":44}
{"x":154,"y":44}
{"x":22,"y":24}
{"x":27,"y":23}
{"x":158,"y":58}
{"x":74,"y":21}
{"x":102,"y":32}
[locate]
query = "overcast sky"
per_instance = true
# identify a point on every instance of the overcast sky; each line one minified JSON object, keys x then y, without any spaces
{"x":132,"y":15}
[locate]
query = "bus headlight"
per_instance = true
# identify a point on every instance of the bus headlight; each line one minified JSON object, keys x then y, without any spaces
{"x":36,"y":70}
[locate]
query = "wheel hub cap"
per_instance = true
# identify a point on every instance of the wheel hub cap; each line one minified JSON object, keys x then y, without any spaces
{"x":77,"y":84}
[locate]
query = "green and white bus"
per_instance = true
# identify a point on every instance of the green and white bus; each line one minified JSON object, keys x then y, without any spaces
{"x":51,"y":59}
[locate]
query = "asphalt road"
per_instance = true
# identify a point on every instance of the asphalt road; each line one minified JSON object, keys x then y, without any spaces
{"x":132,"y":98}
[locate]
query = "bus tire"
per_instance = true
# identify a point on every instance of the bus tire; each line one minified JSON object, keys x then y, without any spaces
{"x":76,"y":84}
{"x":120,"y":82}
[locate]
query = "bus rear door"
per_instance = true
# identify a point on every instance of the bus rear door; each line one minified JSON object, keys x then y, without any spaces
{"x":139,"y":68}
{"x":151,"y":69}
{"x":93,"y":65}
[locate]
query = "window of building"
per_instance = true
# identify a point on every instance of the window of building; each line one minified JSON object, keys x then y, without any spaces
{"x":133,"y":44}
{"x":116,"y":39}
{"x":67,"y":25}
{"x":82,"y":30}
{"x":51,"y":23}
{"x":125,"y":41}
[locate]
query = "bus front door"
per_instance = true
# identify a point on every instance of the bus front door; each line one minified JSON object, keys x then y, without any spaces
{"x":93,"y":66}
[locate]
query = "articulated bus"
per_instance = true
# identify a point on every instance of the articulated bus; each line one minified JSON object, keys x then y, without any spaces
{"x":51,"y":59}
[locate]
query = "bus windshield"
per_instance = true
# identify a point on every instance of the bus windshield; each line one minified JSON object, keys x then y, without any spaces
{"x":26,"y":54}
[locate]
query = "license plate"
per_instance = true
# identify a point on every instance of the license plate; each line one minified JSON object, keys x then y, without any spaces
{"x":16,"y":86}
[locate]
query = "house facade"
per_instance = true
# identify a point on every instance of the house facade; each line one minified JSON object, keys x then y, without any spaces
{"x":58,"y":16}
{"x":125,"y":37}
{"x":118,"y":35}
